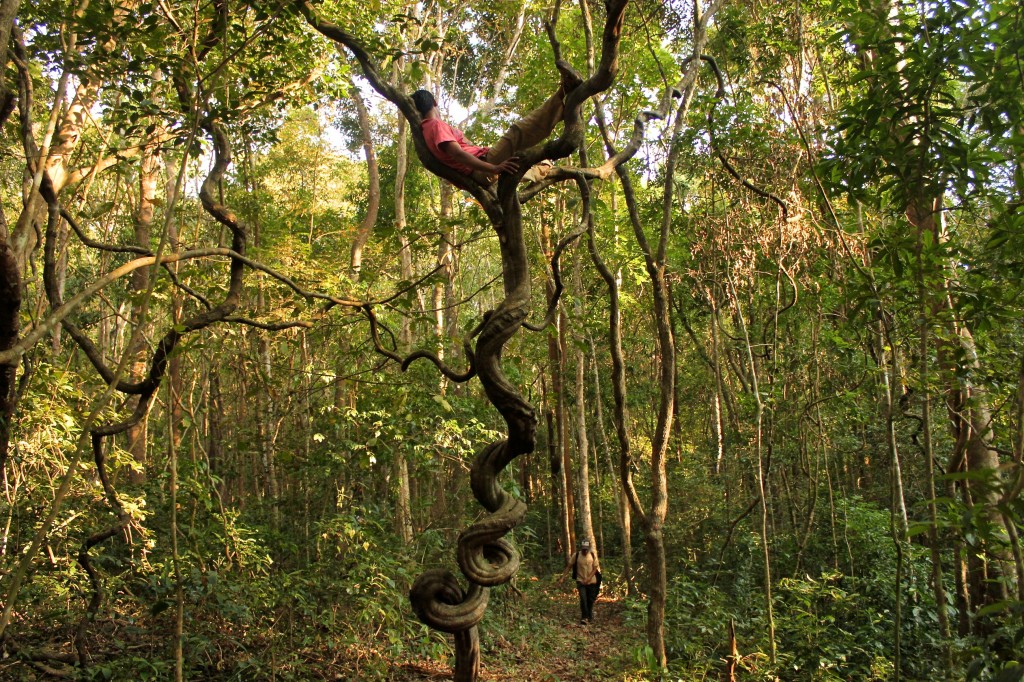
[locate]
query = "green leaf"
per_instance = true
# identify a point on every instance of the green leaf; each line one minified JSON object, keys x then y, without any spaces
{"x":996,"y":607}
{"x":99,"y":210}
{"x":439,"y":399}
{"x":1015,"y":673}
{"x":918,"y":528}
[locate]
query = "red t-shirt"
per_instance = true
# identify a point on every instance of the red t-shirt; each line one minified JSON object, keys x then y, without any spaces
{"x":436,"y":131}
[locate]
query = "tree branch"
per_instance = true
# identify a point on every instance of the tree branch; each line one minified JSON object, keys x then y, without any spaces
{"x":719,"y":96}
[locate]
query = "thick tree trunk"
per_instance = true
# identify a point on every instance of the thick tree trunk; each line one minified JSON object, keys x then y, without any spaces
{"x":971,"y":422}
{"x":467,"y":655}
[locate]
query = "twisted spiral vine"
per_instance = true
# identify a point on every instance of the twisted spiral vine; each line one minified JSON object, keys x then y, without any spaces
{"x":485,"y":557}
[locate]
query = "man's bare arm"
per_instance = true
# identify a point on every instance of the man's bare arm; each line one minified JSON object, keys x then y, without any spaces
{"x":466,"y":159}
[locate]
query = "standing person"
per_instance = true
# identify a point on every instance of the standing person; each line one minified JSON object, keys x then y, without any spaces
{"x":586,"y":570}
{"x":450,"y":146}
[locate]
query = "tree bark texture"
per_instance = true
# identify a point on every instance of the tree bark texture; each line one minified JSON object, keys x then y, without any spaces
{"x":403,"y":517}
{"x":970,"y":417}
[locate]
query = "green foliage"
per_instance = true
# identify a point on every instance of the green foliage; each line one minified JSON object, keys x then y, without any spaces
{"x":916,"y":132}
{"x":288,"y":442}
{"x":830,"y":633}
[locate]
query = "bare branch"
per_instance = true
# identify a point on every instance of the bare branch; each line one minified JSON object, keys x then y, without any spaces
{"x":719,"y":96}
{"x":270,"y":326}
{"x":556,"y":271}
{"x":458,"y":377}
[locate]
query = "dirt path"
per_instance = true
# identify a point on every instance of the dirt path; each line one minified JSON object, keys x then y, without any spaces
{"x":550,"y":645}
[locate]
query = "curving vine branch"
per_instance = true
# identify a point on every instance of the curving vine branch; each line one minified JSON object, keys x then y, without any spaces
{"x":486,"y":558}
{"x":158,"y":363}
{"x":719,"y":96}
{"x":404,"y":362}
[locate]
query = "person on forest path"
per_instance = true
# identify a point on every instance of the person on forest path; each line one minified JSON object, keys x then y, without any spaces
{"x":450,"y":146}
{"x":586,"y":570}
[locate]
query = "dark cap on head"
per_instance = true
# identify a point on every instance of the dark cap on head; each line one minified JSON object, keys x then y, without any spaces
{"x":424,"y":101}
{"x":585,"y":544}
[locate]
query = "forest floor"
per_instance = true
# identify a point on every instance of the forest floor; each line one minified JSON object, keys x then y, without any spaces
{"x":550,"y":644}
{"x":531,"y":634}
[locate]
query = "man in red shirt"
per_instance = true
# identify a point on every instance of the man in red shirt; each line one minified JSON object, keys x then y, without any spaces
{"x":451,"y":147}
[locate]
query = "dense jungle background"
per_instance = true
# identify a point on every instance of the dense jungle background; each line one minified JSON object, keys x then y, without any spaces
{"x":770,"y":360}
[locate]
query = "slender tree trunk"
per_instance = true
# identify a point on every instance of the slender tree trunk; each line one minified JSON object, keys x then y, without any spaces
{"x":174,"y":378}
{"x":10,"y":310}
{"x":555,"y":466}
{"x":373,"y":173}
{"x":762,"y":489}
{"x":564,"y":441}
{"x":1013,"y":490}
{"x":971,"y":419}
{"x":562,"y":479}
{"x":926,"y":308}
{"x":718,"y":422}
{"x":403,"y":511}
{"x":269,"y":423}
{"x":556,"y":405}
{"x":820,"y":446}
{"x":600,"y":503}
{"x":586,"y":518}
{"x":179,"y":595}
{"x":622,"y":504}
{"x":898,"y":509}
{"x":149,"y":170}
{"x":448,"y":304}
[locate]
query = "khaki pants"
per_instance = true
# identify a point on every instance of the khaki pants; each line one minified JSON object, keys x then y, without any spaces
{"x":531,"y":129}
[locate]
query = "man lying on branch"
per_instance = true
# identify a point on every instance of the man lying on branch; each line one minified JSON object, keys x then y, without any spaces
{"x":484,"y":164}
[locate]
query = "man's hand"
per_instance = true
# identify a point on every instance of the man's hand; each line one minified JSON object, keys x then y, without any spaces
{"x":507,"y":166}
